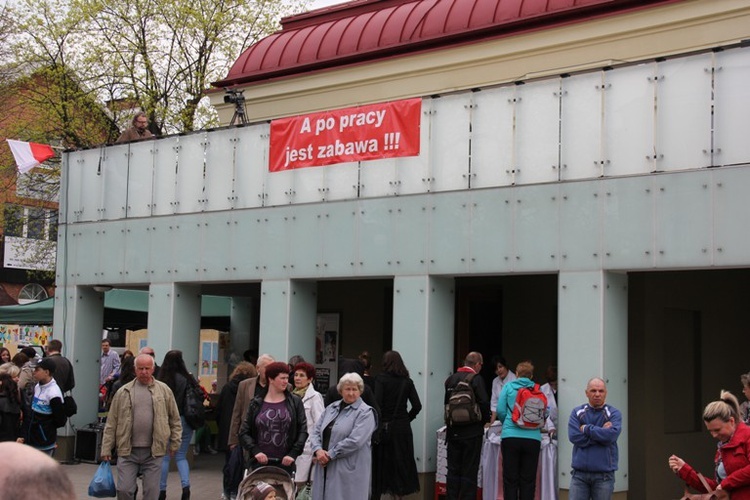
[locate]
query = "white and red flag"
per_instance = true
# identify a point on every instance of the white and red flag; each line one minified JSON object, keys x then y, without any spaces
{"x":29,"y":154}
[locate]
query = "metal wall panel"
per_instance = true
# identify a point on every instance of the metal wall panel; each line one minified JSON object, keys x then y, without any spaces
{"x":536,"y":227}
{"x":683,"y":113}
{"x":191,"y":172}
{"x":492,"y":137}
{"x":629,"y":120}
{"x":580,"y":226}
{"x":114,"y":167}
{"x":628,"y":223}
{"x":378,"y":178}
{"x":731,"y":216}
{"x":220,"y":190}
{"x":337,"y":234}
{"x":450,"y":234}
{"x":683,"y":237}
{"x":164,"y":199}
{"x":538,"y":131}
{"x":491,"y":234}
{"x":341,"y":182}
{"x":251,"y":165}
{"x":139,"y":163}
{"x":449,"y":142}
{"x":582,"y":109}
{"x":76,"y":197}
{"x":414,"y":173}
{"x":732,"y":107}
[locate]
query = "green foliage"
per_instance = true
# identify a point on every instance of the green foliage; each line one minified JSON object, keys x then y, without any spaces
{"x":157,"y":55}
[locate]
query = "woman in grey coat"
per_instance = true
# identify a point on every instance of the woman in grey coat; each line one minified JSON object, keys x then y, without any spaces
{"x":341,"y":445}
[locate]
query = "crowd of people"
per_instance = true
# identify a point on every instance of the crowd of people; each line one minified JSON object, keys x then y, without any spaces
{"x":351,"y":442}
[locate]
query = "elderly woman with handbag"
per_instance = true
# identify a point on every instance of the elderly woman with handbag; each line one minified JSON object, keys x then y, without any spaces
{"x":722,"y":419}
{"x":341,"y":445}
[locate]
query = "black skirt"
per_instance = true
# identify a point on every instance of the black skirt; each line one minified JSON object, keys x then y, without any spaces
{"x":397,"y":470}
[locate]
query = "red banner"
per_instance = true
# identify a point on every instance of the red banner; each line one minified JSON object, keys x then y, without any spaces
{"x":385,"y":130}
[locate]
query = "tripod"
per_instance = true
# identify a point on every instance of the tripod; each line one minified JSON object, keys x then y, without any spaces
{"x":240,"y":114}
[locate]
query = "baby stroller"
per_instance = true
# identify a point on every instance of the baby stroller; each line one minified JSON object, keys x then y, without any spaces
{"x":280,"y":479}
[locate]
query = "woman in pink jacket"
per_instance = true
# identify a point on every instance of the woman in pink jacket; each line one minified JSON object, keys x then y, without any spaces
{"x":722,"y":419}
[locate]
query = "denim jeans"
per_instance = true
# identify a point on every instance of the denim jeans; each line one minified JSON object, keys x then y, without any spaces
{"x":180,"y":458}
{"x":591,"y":485}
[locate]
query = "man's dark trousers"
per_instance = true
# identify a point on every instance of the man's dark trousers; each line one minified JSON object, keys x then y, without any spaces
{"x":463,"y":466}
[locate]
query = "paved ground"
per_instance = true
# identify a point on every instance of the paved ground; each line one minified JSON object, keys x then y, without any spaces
{"x":205,"y":478}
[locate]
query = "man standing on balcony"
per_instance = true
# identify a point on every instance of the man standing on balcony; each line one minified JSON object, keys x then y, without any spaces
{"x":138,"y":131}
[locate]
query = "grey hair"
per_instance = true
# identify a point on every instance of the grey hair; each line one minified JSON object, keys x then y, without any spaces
{"x":10,"y":369}
{"x":727,"y":407}
{"x":351,"y":379}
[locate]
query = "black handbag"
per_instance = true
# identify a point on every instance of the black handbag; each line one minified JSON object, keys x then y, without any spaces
{"x":69,"y":405}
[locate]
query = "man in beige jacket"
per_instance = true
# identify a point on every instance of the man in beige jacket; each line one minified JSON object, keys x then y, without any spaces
{"x":246,"y":391}
{"x":142,"y":419}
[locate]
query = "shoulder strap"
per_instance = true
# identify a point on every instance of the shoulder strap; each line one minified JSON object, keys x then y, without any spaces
{"x":705,"y":483}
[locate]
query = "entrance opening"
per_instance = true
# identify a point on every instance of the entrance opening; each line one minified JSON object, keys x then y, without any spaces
{"x":511,"y":316}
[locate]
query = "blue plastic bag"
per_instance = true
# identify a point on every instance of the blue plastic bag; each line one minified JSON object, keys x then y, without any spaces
{"x":103,"y":483}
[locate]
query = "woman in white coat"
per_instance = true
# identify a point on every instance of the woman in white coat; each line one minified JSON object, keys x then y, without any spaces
{"x":341,"y":445}
{"x":304,"y":373}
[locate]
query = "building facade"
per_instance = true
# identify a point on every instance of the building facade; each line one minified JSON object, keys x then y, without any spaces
{"x":578,"y":198}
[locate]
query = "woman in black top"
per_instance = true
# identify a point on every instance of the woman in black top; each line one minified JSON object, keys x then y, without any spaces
{"x":10,"y":406}
{"x":174,"y":373}
{"x":397,"y":469}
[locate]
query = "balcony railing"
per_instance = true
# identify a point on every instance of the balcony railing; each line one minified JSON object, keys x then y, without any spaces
{"x":688,"y":112}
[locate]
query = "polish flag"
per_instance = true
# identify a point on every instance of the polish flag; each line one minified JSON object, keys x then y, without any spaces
{"x":29,"y":154}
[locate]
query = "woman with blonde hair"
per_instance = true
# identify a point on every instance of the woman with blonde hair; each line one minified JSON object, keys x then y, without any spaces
{"x":732,"y":459}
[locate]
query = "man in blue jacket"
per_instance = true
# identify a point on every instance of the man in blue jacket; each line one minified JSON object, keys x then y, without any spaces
{"x":593,"y":429}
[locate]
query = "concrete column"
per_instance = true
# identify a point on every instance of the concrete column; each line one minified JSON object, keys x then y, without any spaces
{"x":77,"y":323}
{"x":174,"y":321}
{"x":423,"y":319}
{"x":288,"y":311}
{"x":592,"y":342}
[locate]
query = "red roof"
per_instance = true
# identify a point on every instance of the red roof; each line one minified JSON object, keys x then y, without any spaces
{"x":366,"y":30}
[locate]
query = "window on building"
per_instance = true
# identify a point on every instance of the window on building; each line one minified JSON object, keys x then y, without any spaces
{"x":30,"y":222}
{"x":13,"y":218}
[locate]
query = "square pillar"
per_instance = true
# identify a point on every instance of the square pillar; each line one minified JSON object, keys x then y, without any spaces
{"x":174,"y":321}
{"x":423,"y":326}
{"x":592,"y":342}
{"x":78,"y":324}
{"x":288,"y":312}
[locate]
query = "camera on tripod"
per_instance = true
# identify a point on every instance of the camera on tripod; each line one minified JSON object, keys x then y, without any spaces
{"x":234,"y":96}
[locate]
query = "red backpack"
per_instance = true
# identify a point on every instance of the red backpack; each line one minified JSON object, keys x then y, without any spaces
{"x":530,"y":410}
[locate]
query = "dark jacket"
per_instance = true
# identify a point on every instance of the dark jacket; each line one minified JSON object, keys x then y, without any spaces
{"x":224,"y":407}
{"x":295,"y":439}
{"x":39,"y":429}
{"x":10,"y":418}
{"x":480,"y":395}
{"x":392,"y":392}
{"x":63,"y":372}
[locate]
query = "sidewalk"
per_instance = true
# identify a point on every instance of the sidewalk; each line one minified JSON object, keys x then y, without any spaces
{"x":205,"y":478}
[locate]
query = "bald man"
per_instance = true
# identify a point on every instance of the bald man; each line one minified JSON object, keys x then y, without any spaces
{"x":29,"y":473}
{"x":593,"y":429}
